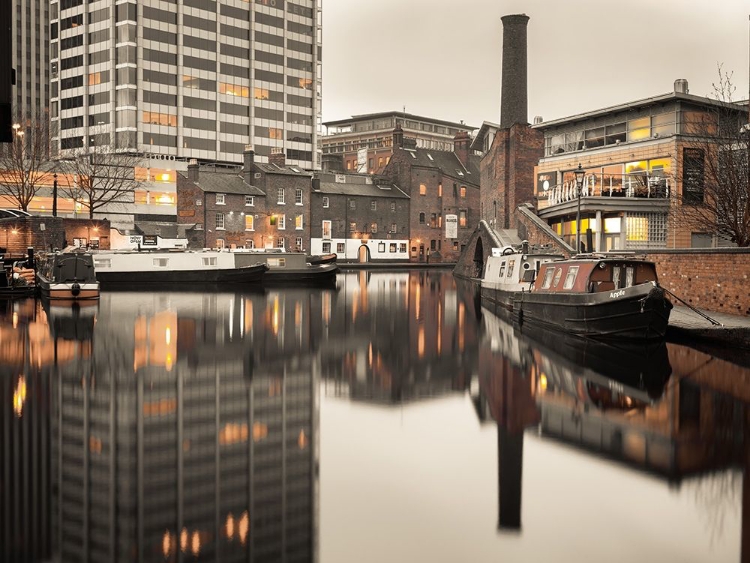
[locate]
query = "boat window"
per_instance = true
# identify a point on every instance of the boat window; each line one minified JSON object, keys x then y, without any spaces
{"x":558,"y":275}
{"x":502,"y":269}
{"x":511,"y":263}
{"x":161,"y":262}
{"x":210,"y":261}
{"x":103,"y":263}
{"x":277,"y":262}
{"x":570,"y":279}
{"x":616,"y":277}
{"x":629,"y":276}
{"x":548,"y":278}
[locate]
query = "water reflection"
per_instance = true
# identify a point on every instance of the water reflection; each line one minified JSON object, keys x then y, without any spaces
{"x":668,"y":410}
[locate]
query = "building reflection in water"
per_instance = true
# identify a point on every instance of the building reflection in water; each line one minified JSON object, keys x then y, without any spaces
{"x":395,"y":337}
{"x":184,"y":427}
{"x":668,"y":410}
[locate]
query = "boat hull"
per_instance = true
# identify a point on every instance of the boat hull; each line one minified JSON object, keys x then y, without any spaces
{"x":322,"y":274}
{"x":243,"y":275}
{"x":68,"y":291}
{"x":636,"y":313}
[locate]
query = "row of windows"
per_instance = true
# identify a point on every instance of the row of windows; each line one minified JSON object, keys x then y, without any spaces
{"x":267,"y":243}
{"x":279,"y":221}
{"x":457,"y":192}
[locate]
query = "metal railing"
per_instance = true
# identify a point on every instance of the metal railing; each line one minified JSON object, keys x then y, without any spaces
{"x":628,"y":185}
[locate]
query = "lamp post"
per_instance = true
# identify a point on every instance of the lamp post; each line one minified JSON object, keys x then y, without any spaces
{"x":579,"y":173}
{"x":54,"y":195}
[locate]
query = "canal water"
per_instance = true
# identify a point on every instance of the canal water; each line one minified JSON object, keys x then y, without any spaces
{"x":388,"y":419}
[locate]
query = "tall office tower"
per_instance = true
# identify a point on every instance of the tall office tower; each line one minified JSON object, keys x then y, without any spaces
{"x":188,"y":78}
{"x":30,"y":56}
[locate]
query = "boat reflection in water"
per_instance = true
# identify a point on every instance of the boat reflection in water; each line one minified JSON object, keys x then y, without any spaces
{"x":667,"y":410}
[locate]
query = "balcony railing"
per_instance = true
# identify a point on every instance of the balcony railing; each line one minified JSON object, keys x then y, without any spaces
{"x":633,"y":186}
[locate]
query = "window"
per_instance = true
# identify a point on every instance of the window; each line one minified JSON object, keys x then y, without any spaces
{"x":511,"y":265}
{"x":220,"y":221}
{"x":298,"y":222}
{"x":393,"y":207}
{"x":326,"y":202}
{"x":298,"y":197}
{"x":558,"y":275}
{"x":422,"y":189}
{"x":440,"y":190}
{"x":392,"y":248}
{"x":373,"y":205}
{"x":210,"y":261}
{"x":249,"y":201}
{"x":249,"y":222}
{"x":549,"y":272}
{"x":693,"y":175}
{"x":326,"y":230}
{"x":250,"y":243}
{"x":280,"y":244}
{"x":501,"y":273}
{"x":463,"y":191}
{"x":374,"y":228}
{"x":352,"y":227}
{"x":394,"y":228}
{"x":433,"y":220}
{"x":282,"y":222}
{"x":220,"y":243}
{"x":326,"y":248}
{"x":402,"y":247}
{"x":462,"y":218}
{"x":352,"y":204}
{"x":340,"y":248}
{"x":298,"y":243}
{"x":280,"y":196}
{"x":421,"y":218}
{"x":570,"y":279}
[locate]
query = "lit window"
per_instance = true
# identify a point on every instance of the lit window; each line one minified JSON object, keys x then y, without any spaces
{"x":249,"y":222}
{"x":463,"y":191}
{"x":326,"y":229}
{"x":275,"y":133}
{"x":282,"y":222}
{"x":234,"y":90}
{"x":422,"y":189}
{"x":462,"y":218}
{"x":298,"y":222}
{"x":220,"y":199}
{"x":95,"y":78}
{"x":374,"y":228}
{"x":440,"y":190}
{"x":260,"y":94}
{"x":220,"y":243}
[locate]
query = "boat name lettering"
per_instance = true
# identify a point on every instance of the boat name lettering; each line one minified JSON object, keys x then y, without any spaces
{"x":616,"y":294}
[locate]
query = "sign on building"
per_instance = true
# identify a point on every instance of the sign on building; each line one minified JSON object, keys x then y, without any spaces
{"x":362,"y":160}
{"x":451,"y":226}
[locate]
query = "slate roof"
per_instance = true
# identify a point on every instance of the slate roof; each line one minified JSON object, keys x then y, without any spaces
{"x":447,"y":162}
{"x":276,"y":169}
{"x":224,"y":183}
{"x":359,"y":185}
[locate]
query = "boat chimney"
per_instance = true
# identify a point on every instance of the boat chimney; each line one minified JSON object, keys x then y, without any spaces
{"x":30,"y":260}
{"x":525,"y":247}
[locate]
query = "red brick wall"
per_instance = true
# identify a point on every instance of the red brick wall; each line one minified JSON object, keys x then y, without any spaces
{"x":714,"y":279}
{"x":16,"y":235}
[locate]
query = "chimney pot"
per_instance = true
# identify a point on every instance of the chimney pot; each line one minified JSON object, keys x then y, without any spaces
{"x":681,"y":86}
{"x":538,"y":119}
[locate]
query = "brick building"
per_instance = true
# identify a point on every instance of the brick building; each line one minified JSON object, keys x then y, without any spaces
{"x":359,"y":217}
{"x":258,"y":206}
{"x":365,"y":142}
{"x":443,"y":187}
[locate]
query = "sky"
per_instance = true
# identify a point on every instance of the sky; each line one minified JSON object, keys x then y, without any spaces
{"x":442,"y":59}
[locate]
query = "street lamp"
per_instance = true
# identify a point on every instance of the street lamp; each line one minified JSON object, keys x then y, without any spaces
{"x":579,"y":173}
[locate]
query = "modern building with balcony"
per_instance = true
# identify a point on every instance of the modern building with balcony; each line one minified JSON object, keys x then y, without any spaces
{"x":640,"y":161}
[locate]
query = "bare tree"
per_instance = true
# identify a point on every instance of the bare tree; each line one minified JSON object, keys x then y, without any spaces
{"x":715,"y":177}
{"x":100,"y":176}
{"x":24,"y":163}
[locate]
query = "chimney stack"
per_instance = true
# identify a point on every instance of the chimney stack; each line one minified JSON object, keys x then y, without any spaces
{"x":277,"y":158}
{"x":193,"y":170}
{"x":398,"y":137}
{"x":514,"y":99}
{"x":248,"y":164}
{"x":461,"y":144}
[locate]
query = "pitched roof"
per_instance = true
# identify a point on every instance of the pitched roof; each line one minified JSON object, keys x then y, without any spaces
{"x":358,"y":185}
{"x":276,"y":169}
{"x":447,"y":162}
{"x":400,"y":115}
{"x":224,"y":183}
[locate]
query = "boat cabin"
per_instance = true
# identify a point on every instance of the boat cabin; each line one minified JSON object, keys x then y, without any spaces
{"x":593,"y":275}
{"x":511,"y":270}
{"x":67,"y":267}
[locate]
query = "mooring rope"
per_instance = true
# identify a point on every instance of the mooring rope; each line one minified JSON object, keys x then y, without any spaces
{"x":689,"y":306}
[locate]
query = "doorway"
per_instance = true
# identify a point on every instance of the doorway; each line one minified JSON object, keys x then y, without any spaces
{"x":363,"y":254}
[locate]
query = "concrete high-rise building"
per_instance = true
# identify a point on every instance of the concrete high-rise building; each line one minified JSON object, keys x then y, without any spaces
{"x":187,"y":79}
{"x":30,"y":58}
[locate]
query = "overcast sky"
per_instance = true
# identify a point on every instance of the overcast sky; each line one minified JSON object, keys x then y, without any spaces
{"x":442,"y":58}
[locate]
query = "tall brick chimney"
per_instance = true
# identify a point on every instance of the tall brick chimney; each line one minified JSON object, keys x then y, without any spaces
{"x":192,"y":171}
{"x":514,"y":98}
{"x":277,"y":158}
{"x":398,"y":137}
{"x":461,"y":144}
{"x":248,"y":163}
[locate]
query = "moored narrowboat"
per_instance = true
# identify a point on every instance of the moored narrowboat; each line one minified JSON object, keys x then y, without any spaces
{"x":68,"y":276}
{"x":597,"y":297}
